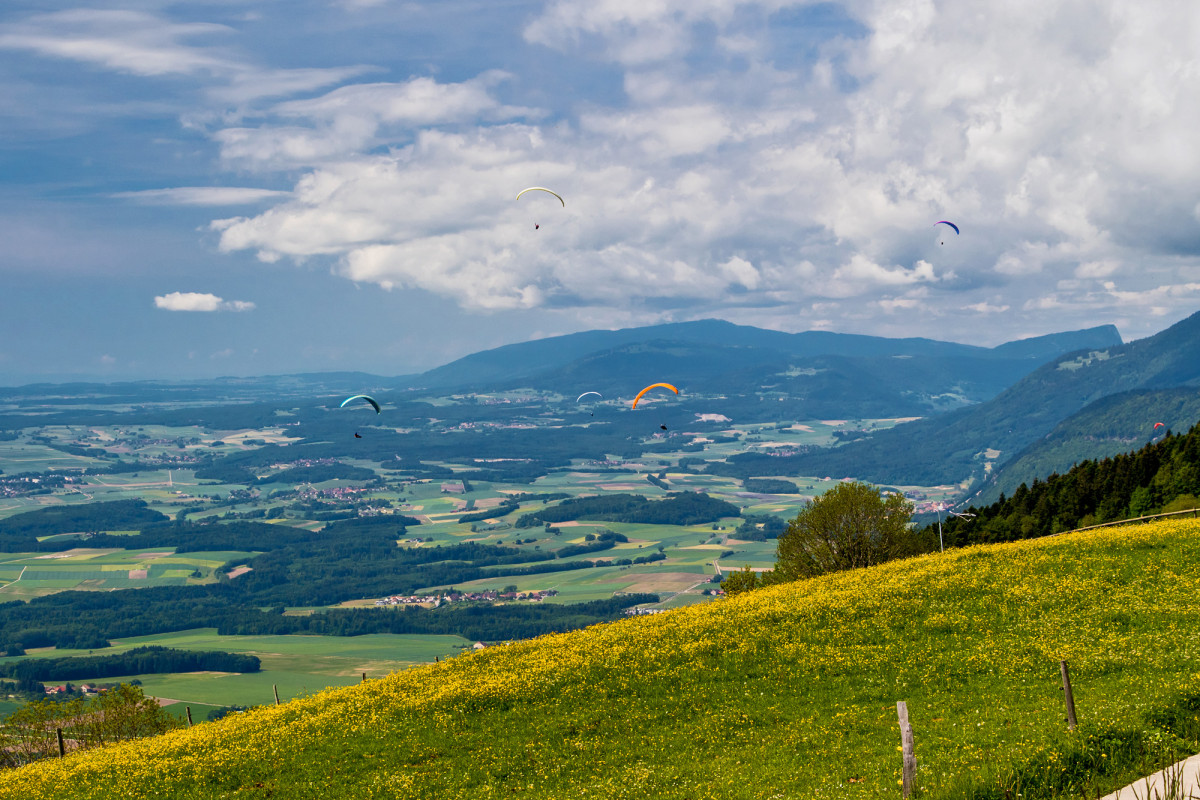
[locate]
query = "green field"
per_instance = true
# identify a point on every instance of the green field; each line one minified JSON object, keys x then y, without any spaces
{"x":27,"y":575}
{"x":298,"y":665}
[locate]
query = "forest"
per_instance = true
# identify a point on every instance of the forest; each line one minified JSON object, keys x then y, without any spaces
{"x":1161,"y":476}
{"x":20,"y":533}
{"x":138,"y":661}
{"x":68,"y":619}
{"x":678,"y":508}
{"x":346,"y":560}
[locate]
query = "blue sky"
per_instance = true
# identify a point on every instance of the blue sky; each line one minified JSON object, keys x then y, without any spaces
{"x":223,"y":187}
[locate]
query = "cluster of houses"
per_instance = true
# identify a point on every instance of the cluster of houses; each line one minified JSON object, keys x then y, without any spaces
{"x":333,"y":492}
{"x":928,"y":506}
{"x":637,"y":611}
{"x":610,"y":462}
{"x":499,"y":401}
{"x":83,"y":688}
{"x":305,"y":462}
{"x":18,"y":485}
{"x":489,"y":596}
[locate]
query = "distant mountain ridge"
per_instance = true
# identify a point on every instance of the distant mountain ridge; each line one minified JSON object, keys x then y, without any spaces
{"x":812,"y":374}
{"x":951,"y":447}
{"x":512,"y":362}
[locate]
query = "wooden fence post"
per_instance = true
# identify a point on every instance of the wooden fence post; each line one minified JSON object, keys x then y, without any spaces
{"x":189,"y":713}
{"x":364,"y":680}
{"x":62,"y":746}
{"x":275,"y":688}
{"x":906,"y":742}
{"x":1070,"y":698}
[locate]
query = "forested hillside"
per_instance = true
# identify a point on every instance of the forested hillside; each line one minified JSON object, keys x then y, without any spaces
{"x":953,"y":446}
{"x":1107,"y":427}
{"x":1164,"y":475}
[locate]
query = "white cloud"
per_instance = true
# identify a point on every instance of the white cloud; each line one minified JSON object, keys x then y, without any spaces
{"x":737,"y":177}
{"x":125,"y":41}
{"x":984,"y":307}
{"x":250,"y":84}
{"x":352,"y":119}
{"x":148,"y":45}
{"x":197,"y":301}
{"x":420,"y":101}
{"x":203,"y":195}
{"x":632,"y":32}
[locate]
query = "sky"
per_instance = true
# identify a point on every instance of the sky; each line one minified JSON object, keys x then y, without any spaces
{"x":225,"y":187}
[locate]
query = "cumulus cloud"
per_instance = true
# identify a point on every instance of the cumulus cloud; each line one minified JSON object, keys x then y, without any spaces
{"x":1037,"y":128}
{"x":197,"y":301}
{"x":750,"y":168}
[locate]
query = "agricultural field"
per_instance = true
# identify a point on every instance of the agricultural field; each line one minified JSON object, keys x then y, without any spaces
{"x":159,"y":465}
{"x":176,"y":490}
{"x":296,"y":665}
{"x":26,"y":575}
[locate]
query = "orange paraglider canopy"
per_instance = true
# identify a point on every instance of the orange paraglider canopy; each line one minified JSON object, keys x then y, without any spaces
{"x":1158,"y":425}
{"x":653,"y":386}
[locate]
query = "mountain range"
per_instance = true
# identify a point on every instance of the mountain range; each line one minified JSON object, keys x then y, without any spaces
{"x":816,"y":373}
{"x":977,"y":441}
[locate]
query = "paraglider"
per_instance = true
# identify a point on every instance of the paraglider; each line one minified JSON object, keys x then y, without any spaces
{"x":653,"y":386}
{"x":357,"y":435}
{"x":542,"y":189}
{"x":947,"y":222}
{"x":664,"y":427}
{"x":1158,"y":425}
{"x":370,"y":400}
{"x":536,"y":226}
{"x":585,"y":394}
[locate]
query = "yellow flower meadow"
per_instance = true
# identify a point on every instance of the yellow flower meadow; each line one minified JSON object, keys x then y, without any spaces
{"x":784,"y":692}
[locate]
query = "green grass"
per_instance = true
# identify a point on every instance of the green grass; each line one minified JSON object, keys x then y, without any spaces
{"x":785,"y":692}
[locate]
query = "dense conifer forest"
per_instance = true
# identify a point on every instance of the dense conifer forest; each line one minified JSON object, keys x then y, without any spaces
{"x":1161,"y":476}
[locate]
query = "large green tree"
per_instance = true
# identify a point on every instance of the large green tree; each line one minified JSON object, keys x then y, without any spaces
{"x":852,"y":525}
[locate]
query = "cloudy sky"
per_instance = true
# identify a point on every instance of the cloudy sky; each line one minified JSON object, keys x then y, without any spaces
{"x":224,"y":187}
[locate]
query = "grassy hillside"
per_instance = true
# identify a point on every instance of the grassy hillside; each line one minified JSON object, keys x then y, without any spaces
{"x":785,"y":692}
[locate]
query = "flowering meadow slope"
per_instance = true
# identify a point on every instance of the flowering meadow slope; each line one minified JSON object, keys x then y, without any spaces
{"x":785,"y":692}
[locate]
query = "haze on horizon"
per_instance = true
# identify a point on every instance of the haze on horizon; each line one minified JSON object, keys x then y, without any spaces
{"x":233,"y":188}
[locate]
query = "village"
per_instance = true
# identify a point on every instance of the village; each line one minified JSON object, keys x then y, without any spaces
{"x":487,"y":596}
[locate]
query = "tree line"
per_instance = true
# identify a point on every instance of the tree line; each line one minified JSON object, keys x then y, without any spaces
{"x":138,"y":661}
{"x":678,"y":508}
{"x":346,"y":560}
{"x":1160,"y":476}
